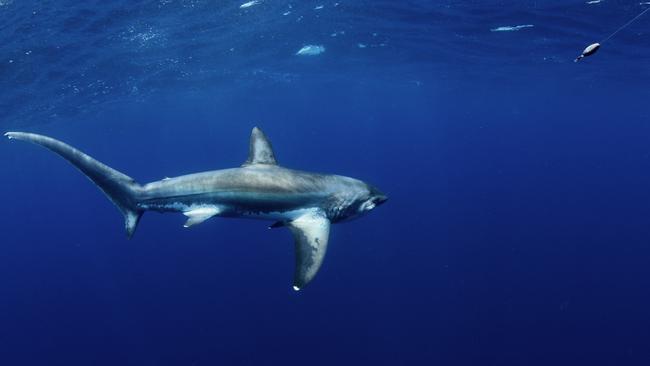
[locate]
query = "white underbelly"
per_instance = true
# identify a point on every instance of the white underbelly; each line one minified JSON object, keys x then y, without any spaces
{"x":278,"y":215}
{"x":221,"y":210}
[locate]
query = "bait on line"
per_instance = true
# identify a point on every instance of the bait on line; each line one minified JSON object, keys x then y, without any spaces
{"x":592,"y":48}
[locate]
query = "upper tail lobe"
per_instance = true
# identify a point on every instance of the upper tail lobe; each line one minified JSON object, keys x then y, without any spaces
{"x":121,"y":189}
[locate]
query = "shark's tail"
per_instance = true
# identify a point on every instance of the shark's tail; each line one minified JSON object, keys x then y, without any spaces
{"x":122,"y":190}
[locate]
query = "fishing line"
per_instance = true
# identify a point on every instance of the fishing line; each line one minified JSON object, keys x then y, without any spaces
{"x":594,"y":47}
{"x":625,"y":25}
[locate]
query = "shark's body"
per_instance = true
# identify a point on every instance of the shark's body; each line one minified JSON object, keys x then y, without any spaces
{"x":307,"y":203}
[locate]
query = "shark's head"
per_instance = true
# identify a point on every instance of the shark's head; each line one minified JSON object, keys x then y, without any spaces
{"x":358,"y":201}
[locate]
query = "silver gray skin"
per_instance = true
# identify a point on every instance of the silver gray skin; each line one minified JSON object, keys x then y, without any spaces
{"x":306,"y":203}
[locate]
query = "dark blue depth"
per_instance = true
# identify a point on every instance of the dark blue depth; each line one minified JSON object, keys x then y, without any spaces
{"x":517,"y":230}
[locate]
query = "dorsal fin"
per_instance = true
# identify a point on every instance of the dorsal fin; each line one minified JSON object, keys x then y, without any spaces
{"x":260,"y":150}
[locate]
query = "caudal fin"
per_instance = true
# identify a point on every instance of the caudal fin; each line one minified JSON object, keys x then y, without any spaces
{"x":121,"y":189}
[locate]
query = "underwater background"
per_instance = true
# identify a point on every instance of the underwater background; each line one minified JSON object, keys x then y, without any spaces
{"x":517,"y":230}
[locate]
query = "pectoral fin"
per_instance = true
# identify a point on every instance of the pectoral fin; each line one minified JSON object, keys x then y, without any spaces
{"x":198,"y":215}
{"x":311,"y":233}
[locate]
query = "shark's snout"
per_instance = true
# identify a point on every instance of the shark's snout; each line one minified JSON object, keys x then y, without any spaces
{"x":378,"y":200}
{"x":376,"y":197}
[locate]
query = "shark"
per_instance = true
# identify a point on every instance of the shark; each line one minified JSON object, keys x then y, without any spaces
{"x":304,"y":202}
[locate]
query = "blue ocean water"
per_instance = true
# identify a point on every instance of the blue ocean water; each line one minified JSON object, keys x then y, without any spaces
{"x":517,"y":230}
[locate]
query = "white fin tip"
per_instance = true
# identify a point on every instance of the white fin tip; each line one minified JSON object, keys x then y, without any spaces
{"x":296,"y":288}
